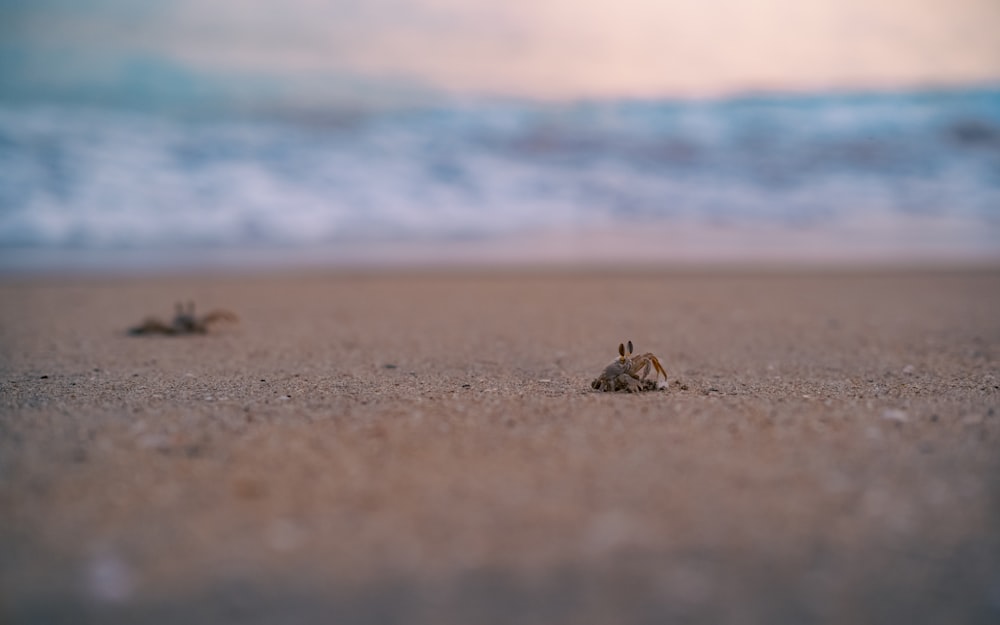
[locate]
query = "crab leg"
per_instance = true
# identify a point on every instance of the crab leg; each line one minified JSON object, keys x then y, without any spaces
{"x":659,"y":367}
{"x":219,"y":315}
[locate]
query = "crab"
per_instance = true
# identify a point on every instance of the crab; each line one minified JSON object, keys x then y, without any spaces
{"x":184,"y":322}
{"x":630,"y":373}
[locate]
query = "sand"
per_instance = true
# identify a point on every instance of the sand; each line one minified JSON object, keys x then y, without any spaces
{"x":426,"y":448}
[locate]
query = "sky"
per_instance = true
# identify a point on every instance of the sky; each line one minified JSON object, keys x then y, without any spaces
{"x":546,"y":49}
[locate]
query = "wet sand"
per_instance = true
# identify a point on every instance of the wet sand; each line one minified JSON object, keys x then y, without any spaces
{"x":426,"y":448}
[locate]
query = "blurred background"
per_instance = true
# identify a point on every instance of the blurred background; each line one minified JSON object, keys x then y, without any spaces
{"x":180,"y":134}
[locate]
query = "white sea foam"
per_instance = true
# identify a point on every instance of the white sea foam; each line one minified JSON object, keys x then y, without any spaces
{"x":897,"y":174}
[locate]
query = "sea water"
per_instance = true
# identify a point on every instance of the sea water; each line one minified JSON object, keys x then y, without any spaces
{"x":883,"y":176}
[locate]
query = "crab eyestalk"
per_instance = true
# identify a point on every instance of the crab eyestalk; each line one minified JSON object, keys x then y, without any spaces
{"x":623,"y":354}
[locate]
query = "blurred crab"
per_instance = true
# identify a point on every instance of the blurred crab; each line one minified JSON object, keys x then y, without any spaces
{"x":184,"y":322}
{"x":630,"y":373}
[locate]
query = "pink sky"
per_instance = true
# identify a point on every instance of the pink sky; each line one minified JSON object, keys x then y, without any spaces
{"x":613,"y":47}
{"x":556,"y":48}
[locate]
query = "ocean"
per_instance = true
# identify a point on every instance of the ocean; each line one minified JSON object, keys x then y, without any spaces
{"x":831,"y":178}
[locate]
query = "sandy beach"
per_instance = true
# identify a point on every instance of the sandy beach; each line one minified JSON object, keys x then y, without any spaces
{"x":391,"y":447}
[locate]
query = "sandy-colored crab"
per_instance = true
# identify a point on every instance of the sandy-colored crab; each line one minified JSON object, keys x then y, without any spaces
{"x":184,"y":322}
{"x":630,"y":372}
